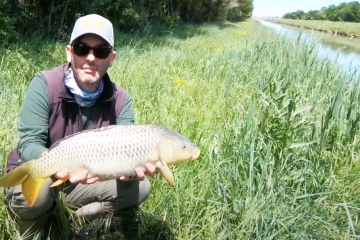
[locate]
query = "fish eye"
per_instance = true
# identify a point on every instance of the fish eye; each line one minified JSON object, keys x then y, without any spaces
{"x":184,"y":146}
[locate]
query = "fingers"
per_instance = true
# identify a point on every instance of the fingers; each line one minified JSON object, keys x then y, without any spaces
{"x":140,"y":173}
{"x":82,"y":177}
{"x":79,"y":178}
{"x":62,"y":174}
{"x":150,"y":169}
{"x":91,"y":180}
{"x":124,"y":178}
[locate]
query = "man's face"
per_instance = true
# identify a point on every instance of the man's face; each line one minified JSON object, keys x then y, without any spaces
{"x":89,"y":69}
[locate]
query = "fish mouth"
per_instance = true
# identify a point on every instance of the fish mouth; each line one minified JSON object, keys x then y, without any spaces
{"x":195,"y":155}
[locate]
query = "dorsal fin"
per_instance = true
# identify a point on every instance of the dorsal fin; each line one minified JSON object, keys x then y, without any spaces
{"x":58,"y":142}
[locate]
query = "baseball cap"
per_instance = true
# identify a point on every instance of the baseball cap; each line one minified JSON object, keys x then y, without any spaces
{"x":95,"y":24}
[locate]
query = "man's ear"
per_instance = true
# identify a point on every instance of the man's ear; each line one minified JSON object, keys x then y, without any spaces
{"x":112,"y":58}
{"x":68,"y":53}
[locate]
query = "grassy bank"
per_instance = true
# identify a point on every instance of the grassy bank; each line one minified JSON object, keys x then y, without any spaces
{"x":343,"y":27}
{"x":278,"y":130}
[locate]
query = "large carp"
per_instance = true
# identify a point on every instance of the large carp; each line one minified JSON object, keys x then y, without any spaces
{"x":107,"y":153}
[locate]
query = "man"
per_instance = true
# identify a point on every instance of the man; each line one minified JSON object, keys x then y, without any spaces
{"x":67,"y":99}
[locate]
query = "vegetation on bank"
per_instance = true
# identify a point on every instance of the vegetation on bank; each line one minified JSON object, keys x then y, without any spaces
{"x":343,"y":27}
{"x":344,"y":12}
{"x":54,"y":19}
{"x":278,"y":129}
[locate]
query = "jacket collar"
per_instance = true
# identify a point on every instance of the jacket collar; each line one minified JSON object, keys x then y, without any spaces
{"x":107,"y":94}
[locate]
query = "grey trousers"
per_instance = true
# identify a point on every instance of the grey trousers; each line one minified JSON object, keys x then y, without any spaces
{"x":90,"y":200}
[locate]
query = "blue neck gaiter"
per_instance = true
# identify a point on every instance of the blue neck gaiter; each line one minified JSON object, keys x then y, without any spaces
{"x":82,"y":97}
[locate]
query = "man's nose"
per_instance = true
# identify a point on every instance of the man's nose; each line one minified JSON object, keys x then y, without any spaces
{"x":90,"y":57}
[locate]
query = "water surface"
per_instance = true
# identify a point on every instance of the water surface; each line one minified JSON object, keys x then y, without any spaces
{"x":347,"y":56}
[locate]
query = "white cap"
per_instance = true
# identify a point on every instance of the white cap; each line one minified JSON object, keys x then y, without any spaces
{"x":95,"y":24}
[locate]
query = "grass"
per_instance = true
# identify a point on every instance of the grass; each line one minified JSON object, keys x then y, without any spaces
{"x":278,"y":130}
{"x":346,"y":27}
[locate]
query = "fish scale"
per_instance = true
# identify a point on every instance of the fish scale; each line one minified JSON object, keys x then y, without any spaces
{"x":107,"y":153}
{"x":124,"y":155}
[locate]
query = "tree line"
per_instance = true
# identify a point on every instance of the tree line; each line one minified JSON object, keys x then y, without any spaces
{"x":344,"y":12}
{"x":56,"y":18}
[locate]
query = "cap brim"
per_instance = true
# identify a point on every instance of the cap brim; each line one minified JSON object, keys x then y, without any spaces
{"x":92,"y":32}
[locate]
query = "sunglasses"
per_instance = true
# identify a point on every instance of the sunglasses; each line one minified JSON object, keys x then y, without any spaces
{"x":81,"y":49}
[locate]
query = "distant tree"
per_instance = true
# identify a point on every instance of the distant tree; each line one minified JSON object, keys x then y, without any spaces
{"x":347,"y":12}
{"x":312,"y":15}
{"x":350,"y":12}
{"x":299,"y":14}
{"x":332,"y":13}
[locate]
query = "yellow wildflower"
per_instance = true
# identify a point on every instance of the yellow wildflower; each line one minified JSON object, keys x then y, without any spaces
{"x":178,"y":81}
{"x":216,"y":49}
{"x":241,"y":33}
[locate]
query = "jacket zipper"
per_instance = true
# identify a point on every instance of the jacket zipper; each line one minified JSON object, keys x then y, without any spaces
{"x":80,"y":121}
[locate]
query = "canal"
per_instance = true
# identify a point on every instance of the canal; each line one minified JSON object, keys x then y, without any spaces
{"x":347,"y":56}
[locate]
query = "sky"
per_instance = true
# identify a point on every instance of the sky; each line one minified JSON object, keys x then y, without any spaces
{"x":280,"y":7}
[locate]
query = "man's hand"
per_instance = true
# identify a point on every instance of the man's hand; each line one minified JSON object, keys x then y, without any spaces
{"x":79,"y":178}
{"x":151,"y":169}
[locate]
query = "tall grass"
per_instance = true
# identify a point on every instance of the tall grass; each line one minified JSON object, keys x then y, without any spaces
{"x":277,"y":126}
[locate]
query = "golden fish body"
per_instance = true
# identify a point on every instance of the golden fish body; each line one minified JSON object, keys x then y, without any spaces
{"x":107,"y":153}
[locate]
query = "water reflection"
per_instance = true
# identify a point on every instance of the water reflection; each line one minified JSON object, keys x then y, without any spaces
{"x":347,"y":56}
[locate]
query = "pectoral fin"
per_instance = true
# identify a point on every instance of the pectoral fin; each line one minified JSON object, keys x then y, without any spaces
{"x":59,"y":181}
{"x":166,"y":172}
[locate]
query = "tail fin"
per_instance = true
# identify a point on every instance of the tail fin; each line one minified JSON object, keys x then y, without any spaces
{"x":30,"y":185}
{"x":16,"y":176}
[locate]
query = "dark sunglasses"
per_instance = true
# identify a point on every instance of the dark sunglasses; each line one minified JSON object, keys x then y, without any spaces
{"x":81,"y":49}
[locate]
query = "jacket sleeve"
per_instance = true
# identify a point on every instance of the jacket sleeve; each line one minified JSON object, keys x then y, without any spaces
{"x":126,"y":115}
{"x":33,"y":120}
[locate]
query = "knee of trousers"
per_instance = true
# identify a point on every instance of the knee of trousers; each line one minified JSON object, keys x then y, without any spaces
{"x":145,"y":190}
{"x":133,"y":195}
{"x":45,"y":203}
